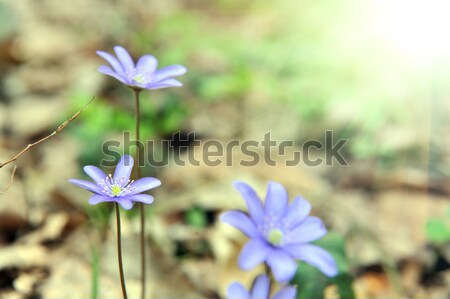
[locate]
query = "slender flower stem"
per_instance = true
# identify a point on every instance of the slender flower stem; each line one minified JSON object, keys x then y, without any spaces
{"x":141,"y":205}
{"x":119,"y":252}
{"x":269,"y":274}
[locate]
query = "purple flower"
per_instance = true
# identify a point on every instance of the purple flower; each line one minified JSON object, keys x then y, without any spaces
{"x":143,"y":75}
{"x":117,"y":188}
{"x":260,"y":290}
{"x":279,"y":233}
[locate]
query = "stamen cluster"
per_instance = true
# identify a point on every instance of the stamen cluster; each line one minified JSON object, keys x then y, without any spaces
{"x":116,"y":187}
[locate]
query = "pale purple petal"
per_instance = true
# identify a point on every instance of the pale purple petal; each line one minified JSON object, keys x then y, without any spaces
{"x":147,"y":64}
{"x":237,"y":291}
{"x":315,"y":256}
{"x":144,"y":184}
{"x":288,"y":292}
{"x":124,"y":57}
{"x":168,"y":72}
{"x":282,"y":265}
{"x":253,"y":253}
{"x":254,"y":205}
{"x":87,"y":185}
{"x":298,"y":209}
{"x":95,"y":173}
{"x":276,"y":200}
{"x":112,"y":61}
{"x":144,"y":198}
{"x":124,"y":168}
{"x":163,"y":84}
{"x":124,"y":203}
{"x":108,"y":71}
{"x":241,"y":221}
{"x":261,"y":287}
{"x":96,"y":198}
{"x":309,"y":230}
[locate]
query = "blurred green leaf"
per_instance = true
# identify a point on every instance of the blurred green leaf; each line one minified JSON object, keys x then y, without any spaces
{"x":438,"y":231}
{"x":196,"y":217}
{"x":8,"y":21}
{"x":95,"y":270}
{"x":311,"y":283}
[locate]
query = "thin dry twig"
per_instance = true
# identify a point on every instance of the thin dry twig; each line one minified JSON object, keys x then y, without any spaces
{"x":11,"y":179}
{"x":59,"y":129}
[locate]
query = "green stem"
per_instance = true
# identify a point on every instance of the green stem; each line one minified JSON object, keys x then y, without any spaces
{"x":141,"y":205}
{"x":119,"y":252}
{"x":95,"y":272}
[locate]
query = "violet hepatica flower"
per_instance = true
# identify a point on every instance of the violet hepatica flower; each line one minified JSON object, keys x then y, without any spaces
{"x":279,"y":233}
{"x":260,"y":290}
{"x":143,"y":74}
{"x":117,"y":188}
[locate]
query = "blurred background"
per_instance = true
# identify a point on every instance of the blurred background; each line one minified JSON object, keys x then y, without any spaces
{"x":375,"y":72}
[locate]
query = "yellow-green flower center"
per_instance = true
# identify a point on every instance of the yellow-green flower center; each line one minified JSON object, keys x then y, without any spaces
{"x":275,"y":236}
{"x":141,"y":78}
{"x":115,"y":190}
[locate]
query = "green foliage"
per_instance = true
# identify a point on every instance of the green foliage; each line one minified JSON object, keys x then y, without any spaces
{"x":99,"y":215}
{"x":8,"y":21}
{"x":437,"y":230}
{"x":196,"y":217}
{"x":108,"y":117}
{"x":311,"y":283}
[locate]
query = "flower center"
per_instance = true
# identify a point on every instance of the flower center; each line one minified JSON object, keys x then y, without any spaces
{"x":115,"y":187}
{"x":275,"y":236}
{"x":115,"y":190}
{"x":139,"y":78}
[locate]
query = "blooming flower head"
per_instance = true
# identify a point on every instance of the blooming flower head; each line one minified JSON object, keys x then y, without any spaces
{"x":117,"y":188}
{"x":279,"y":233}
{"x":143,"y":74}
{"x":260,"y":290}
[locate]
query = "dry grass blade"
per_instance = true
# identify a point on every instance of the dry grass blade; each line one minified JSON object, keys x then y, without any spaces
{"x":59,"y":129}
{"x":11,"y":179}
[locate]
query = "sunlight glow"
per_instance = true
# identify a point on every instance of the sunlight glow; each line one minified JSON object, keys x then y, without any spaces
{"x":420,"y":28}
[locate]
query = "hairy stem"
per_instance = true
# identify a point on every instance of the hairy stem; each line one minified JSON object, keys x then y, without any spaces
{"x":141,"y":205}
{"x":119,"y":253}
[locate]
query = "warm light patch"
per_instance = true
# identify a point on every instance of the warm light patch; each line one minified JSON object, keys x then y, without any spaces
{"x":420,"y":28}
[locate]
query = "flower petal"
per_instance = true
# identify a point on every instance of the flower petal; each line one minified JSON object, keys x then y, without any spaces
{"x":260,"y":287}
{"x":125,"y":203}
{"x":87,"y":185}
{"x":276,"y":200}
{"x":108,"y":71}
{"x":147,"y":64}
{"x":237,"y":291}
{"x":282,"y":265}
{"x":315,"y":256}
{"x":112,"y":61}
{"x":309,"y":230}
{"x":124,"y":58}
{"x":288,"y":292}
{"x":253,"y":253}
{"x":254,"y":204}
{"x":163,"y":84}
{"x":124,"y":168}
{"x":144,"y":184}
{"x":144,"y":198}
{"x":298,"y":209}
{"x":241,"y":221}
{"x":168,"y":72}
{"x":96,"y":198}
{"x":95,"y":173}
